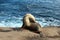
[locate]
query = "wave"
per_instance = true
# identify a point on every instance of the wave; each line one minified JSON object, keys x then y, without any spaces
{"x":47,"y":12}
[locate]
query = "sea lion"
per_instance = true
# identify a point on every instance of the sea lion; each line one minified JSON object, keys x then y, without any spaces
{"x":30,"y":23}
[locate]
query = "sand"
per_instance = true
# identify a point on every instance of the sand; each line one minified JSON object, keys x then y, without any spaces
{"x":9,"y":34}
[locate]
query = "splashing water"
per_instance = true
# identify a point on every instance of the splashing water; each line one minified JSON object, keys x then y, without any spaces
{"x":47,"y":12}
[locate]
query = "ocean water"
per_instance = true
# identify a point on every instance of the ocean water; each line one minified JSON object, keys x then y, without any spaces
{"x":46,"y":12}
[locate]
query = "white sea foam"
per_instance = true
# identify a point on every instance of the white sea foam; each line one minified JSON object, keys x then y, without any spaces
{"x":19,"y":23}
